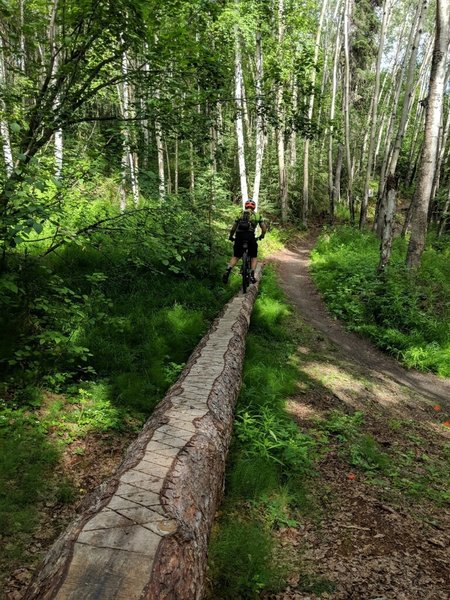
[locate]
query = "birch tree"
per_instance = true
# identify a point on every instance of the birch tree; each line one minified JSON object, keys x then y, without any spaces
{"x":427,"y":168}
{"x":305,"y":206}
{"x":260,"y":137}
{"x":374,"y":115}
{"x":282,"y":176}
{"x":407,"y":100}
{"x":346,"y":108}
{"x":4,"y":129}
{"x":239,"y":117}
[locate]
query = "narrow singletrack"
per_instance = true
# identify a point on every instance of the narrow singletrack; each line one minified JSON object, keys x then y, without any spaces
{"x":373,"y":540}
{"x":293,"y":268}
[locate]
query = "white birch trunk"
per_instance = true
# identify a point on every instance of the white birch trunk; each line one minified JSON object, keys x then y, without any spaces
{"x":282,"y":177}
{"x":293,"y":138}
{"x":58,"y":136}
{"x":430,"y":146}
{"x":169,"y":176}
{"x":127,"y":146}
{"x":347,"y":16}
{"x":305,"y":205}
{"x":160,"y":153}
{"x":260,"y":138}
{"x":331,"y":184}
{"x":391,"y":158}
{"x":4,"y":130}
{"x":191,"y":170}
{"x":239,"y":121}
{"x":408,"y":90}
{"x":374,"y":115}
{"x":441,"y":155}
{"x":175,"y":174}
{"x":388,"y":225}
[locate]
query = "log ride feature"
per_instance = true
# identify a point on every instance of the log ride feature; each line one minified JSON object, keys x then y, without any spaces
{"x":143,"y":534}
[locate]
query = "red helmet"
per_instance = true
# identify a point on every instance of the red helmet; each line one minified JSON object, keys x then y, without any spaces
{"x":250,"y":204}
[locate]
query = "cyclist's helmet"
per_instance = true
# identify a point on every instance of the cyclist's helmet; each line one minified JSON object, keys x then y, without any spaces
{"x":250,"y":204}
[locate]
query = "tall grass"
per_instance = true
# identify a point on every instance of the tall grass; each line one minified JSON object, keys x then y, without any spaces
{"x":270,"y":460}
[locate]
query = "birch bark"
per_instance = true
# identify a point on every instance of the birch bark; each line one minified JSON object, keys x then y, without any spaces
{"x":239,"y":120}
{"x":305,"y":206}
{"x":333,"y":192}
{"x":392,"y":161}
{"x":374,"y":115}
{"x":4,"y":129}
{"x":347,"y":17}
{"x":282,"y":176}
{"x":430,"y":146}
{"x":260,"y":138}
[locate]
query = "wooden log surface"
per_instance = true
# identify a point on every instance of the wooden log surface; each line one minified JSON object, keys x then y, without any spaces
{"x":143,"y":534}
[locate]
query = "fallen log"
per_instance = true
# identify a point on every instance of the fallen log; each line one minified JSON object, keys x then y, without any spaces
{"x":143,"y":534}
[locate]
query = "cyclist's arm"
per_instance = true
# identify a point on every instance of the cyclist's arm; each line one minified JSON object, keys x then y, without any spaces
{"x":233,"y":230}
{"x":263,"y":228}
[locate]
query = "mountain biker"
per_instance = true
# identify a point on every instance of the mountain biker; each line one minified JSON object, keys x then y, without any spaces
{"x":243,"y":230}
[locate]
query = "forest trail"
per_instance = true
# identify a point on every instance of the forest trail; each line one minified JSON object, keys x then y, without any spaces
{"x":378,"y":536}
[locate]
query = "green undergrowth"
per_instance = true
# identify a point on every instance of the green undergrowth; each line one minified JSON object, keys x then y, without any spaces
{"x":270,"y":462}
{"x":92,"y":337}
{"x":274,"y":480}
{"x":408,"y":315}
{"x":407,"y":465}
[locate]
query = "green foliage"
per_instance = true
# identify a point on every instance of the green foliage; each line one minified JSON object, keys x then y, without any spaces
{"x":270,"y":460}
{"x":27,"y":460}
{"x":405,"y":314}
{"x":241,"y":561}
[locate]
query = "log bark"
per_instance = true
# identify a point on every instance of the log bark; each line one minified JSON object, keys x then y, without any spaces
{"x":91,"y":560}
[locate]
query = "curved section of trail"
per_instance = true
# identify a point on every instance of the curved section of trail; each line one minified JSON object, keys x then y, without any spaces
{"x":378,"y":531}
{"x":293,"y":269}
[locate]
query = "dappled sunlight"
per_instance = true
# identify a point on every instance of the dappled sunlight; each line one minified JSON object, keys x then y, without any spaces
{"x":332,"y":383}
{"x":302,"y":411}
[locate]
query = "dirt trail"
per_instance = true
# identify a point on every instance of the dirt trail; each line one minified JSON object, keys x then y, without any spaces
{"x":373,"y":540}
{"x":297,"y":283}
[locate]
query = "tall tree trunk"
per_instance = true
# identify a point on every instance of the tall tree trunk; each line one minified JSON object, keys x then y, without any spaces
{"x":169,"y":176}
{"x":128,"y":160}
{"x":388,"y":225}
{"x":331,"y":182}
{"x":260,"y":138}
{"x":336,"y":194}
{"x":55,"y":59}
{"x":430,"y":145}
{"x":175,"y":168}
{"x":305,"y":206}
{"x":239,"y":120}
{"x":444,"y":215}
{"x":191,"y":170}
{"x":160,"y":153}
{"x":373,"y":126}
{"x":282,"y":177}
{"x":347,"y":17}
{"x":4,"y":130}
{"x":407,"y":100}
{"x":441,"y":154}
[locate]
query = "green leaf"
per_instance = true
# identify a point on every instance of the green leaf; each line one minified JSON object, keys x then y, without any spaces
{"x":37,"y":227}
{"x":15,"y":127}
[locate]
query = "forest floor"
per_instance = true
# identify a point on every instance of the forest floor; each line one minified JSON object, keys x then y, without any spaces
{"x":381,"y":528}
{"x":378,"y":533}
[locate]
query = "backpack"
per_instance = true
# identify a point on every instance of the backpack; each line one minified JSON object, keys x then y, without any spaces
{"x":244,"y":223}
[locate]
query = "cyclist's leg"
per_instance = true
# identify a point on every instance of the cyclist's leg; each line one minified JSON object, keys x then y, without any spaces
{"x":253,"y":250}
{"x":237,"y":253}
